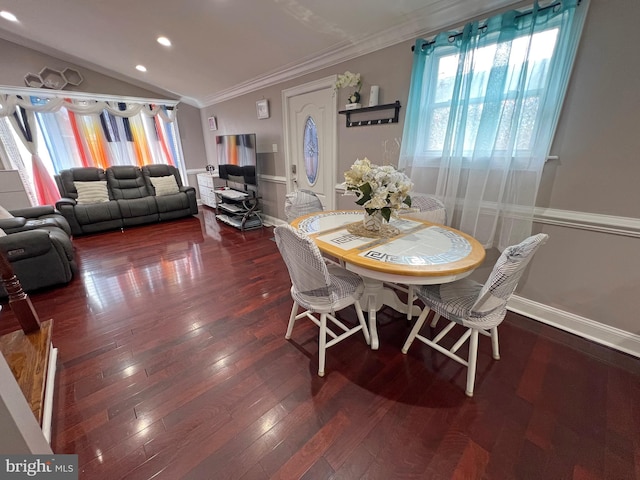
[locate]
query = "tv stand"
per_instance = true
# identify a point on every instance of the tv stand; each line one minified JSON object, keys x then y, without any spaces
{"x":237,"y":208}
{"x":237,"y":202}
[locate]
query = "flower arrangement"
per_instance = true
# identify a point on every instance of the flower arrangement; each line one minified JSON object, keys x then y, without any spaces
{"x":380,"y":189}
{"x":348,"y":79}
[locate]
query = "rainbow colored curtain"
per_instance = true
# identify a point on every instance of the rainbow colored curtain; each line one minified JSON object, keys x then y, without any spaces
{"x":80,"y":133}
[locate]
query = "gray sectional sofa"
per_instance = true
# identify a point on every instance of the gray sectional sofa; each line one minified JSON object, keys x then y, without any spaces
{"x":95,"y":200}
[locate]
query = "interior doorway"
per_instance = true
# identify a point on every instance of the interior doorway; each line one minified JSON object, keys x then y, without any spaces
{"x":310,"y":132}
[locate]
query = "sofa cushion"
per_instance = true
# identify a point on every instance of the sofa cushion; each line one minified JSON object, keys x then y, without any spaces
{"x":165,"y":185}
{"x":92,"y":192}
{"x":97,"y":212}
{"x":138,"y":207}
{"x":2,"y":233}
{"x":126,"y":182}
{"x":65,"y":179}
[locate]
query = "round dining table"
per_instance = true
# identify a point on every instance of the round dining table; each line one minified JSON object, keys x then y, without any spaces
{"x":422,"y":253}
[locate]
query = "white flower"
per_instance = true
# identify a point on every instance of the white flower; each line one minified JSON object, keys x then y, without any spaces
{"x":378,"y":188}
{"x":348,"y":79}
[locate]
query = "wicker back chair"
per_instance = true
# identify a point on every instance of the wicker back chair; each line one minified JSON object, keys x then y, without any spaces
{"x":319,"y":288}
{"x":479,"y":308}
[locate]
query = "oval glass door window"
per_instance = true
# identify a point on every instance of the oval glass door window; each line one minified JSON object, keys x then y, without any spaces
{"x":310,"y":149}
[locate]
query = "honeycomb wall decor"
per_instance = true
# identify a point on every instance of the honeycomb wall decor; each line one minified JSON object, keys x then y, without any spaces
{"x":54,"y":79}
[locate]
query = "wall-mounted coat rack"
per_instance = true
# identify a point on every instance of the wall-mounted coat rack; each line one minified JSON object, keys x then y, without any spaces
{"x":373,"y":121}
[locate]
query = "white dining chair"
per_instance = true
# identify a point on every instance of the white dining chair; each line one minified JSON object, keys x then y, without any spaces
{"x":423,"y":207}
{"x":319,"y":289}
{"x":479,"y":308}
{"x":301,"y":202}
{"x":426,"y":207}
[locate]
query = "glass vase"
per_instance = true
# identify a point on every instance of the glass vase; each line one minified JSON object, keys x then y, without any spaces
{"x":373,"y":222}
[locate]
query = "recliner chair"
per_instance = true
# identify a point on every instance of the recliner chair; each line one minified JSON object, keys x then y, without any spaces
{"x":87,"y":217}
{"x":176,"y":205}
{"x":129,"y":189}
{"x":41,"y":257}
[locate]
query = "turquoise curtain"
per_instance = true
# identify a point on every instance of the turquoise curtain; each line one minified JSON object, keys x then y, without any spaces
{"x":483,"y":106}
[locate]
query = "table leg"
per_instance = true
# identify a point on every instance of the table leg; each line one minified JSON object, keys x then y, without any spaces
{"x":377,"y":296}
{"x":373,"y":326}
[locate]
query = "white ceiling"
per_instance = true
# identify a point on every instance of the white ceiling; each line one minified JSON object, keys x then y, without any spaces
{"x":224,"y":48}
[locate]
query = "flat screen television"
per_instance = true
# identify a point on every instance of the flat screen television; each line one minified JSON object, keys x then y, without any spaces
{"x":237,"y":149}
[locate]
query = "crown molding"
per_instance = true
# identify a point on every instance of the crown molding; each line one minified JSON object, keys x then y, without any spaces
{"x":438,"y":15}
{"x":431,"y":19}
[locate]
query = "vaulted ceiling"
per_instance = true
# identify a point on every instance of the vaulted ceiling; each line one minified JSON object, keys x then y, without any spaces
{"x":224,"y":48}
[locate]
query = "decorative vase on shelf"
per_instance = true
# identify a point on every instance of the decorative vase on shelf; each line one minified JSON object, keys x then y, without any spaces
{"x":354,"y":101}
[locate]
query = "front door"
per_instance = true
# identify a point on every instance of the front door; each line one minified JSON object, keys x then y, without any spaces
{"x":310,"y":127}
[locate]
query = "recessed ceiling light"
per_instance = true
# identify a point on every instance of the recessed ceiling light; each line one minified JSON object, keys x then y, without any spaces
{"x":141,"y":68}
{"x":8,"y":16}
{"x":164,"y":41}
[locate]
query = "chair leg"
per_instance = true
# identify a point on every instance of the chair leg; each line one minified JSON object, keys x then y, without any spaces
{"x":494,"y":343}
{"x":434,"y":322}
{"x":416,"y":329}
{"x":473,"y":357}
{"x":363,"y":323}
{"x":323,"y":344}
{"x":292,"y":320}
{"x":410,"y":300}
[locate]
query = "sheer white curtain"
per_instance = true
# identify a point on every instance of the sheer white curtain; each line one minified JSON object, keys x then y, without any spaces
{"x":24,"y":124}
{"x":483,"y":106}
{"x":12,"y":159}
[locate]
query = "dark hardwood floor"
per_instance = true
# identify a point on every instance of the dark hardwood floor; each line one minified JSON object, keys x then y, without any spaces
{"x":173,"y":365}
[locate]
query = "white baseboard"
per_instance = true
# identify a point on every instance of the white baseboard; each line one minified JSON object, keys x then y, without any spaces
{"x":47,"y":408}
{"x":270,"y":221}
{"x":615,"y":338}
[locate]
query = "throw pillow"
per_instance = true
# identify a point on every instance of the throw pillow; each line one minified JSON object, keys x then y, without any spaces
{"x":3,"y":233}
{"x":4,"y":213}
{"x":92,"y":192}
{"x":165,"y":185}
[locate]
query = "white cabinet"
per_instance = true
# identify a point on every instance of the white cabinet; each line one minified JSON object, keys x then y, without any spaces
{"x":12,"y":192}
{"x":206,"y":186}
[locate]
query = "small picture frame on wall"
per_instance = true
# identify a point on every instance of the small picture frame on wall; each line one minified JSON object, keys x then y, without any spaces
{"x":262,"y":107}
{"x":213,"y":125}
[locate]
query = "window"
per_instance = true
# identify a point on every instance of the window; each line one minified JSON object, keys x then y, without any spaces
{"x":483,"y":106}
{"x":524,"y":64}
{"x":310,"y":149}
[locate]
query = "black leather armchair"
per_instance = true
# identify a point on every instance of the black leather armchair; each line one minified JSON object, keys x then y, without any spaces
{"x":40,"y":257}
